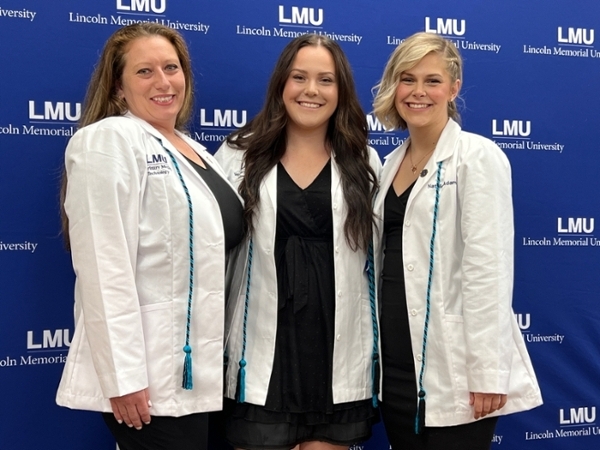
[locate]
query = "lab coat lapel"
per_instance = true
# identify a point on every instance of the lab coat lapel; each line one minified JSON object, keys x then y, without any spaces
{"x":443,"y":150}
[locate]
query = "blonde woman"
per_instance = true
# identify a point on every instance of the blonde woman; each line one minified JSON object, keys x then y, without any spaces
{"x":453,"y":356}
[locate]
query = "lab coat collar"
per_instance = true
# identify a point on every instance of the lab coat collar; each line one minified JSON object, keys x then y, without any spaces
{"x":444,"y":149}
{"x":198,"y":148}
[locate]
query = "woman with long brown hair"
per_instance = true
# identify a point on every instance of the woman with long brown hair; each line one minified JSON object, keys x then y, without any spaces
{"x":302,"y":351}
{"x":148,"y":213}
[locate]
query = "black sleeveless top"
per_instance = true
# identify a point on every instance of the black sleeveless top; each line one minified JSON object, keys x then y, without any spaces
{"x":229,"y":204}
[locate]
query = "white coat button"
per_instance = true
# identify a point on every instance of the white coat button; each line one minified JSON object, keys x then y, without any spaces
{"x":268,"y":251}
{"x":338,"y":337}
{"x":337,"y":249}
{"x":419,"y":357}
{"x":335,"y":206}
{"x":410,"y":267}
{"x":413,"y":312}
{"x":407,"y":223}
{"x":339,"y":293}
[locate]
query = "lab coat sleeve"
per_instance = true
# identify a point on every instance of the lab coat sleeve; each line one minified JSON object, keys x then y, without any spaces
{"x":486,"y":224}
{"x":102,"y":203}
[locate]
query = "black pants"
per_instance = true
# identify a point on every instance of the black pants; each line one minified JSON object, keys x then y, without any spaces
{"x":472,"y":436}
{"x":399,"y":410}
{"x":163,"y":433}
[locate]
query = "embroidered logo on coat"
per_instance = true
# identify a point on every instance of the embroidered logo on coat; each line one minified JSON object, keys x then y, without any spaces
{"x":157,"y":165}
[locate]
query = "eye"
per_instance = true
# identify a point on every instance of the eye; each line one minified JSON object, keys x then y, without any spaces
{"x":172,"y":67}
{"x":406,"y":80}
{"x":297,"y":77}
{"x":327,"y":80}
{"x":143,"y":72}
{"x":434,"y":81}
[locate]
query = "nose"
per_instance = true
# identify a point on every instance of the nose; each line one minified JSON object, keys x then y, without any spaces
{"x":311,"y":88}
{"x":161,"y":80}
{"x":419,"y":90}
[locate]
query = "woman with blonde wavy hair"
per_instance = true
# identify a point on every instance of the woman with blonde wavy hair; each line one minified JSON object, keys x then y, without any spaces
{"x":453,"y":357}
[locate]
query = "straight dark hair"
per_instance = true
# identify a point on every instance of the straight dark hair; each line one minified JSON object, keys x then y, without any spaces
{"x":263,"y":139}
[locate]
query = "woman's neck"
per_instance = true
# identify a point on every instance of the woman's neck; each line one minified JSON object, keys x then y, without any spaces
{"x":423,"y":140}
{"x":303,"y":141}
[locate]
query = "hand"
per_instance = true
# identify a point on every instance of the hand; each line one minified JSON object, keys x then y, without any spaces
{"x":484,"y":404}
{"x":133,"y":409}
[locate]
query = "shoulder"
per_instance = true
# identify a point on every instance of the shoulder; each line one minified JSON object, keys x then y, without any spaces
{"x":471,"y":146}
{"x":110,"y":127}
{"x":230,"y":158}
{"x":115,"y":124}
{"x":118,"y":137}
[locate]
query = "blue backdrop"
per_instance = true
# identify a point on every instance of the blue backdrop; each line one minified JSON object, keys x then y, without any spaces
{"x":530,"y":84}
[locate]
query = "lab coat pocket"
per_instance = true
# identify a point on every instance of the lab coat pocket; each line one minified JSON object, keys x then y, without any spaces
{"x":161,"y":346}
{"x":454,"y":341}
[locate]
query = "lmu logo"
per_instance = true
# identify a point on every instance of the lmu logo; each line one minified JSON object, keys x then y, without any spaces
{"x":373,"y":123}
{"x":223,"y":118}
{"x":50,"y":339}
{"x":301,"y":16}
{"x":57,"y":111}
{"x":155,"y":6}
{"x":576,"y":416}
{"x":511,"y":128}
{"x":576,"y":225}
{"x":446,"y":27}
{"x":576,"y":36}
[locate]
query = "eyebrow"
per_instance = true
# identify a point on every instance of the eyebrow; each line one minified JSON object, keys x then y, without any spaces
{"x":406,"y":72}
{"x":148,"y":63}
{"x":306,"y":71}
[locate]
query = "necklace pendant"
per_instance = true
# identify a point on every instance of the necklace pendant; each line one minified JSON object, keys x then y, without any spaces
{"x":413,"y":169}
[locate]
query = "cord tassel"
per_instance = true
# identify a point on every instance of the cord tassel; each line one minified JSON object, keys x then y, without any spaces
{"x":241,"y":386}
{"x":420,"y":419}
{"x":375,"y":369}
{"x":188,"y":382}
{"x":376,"y":373}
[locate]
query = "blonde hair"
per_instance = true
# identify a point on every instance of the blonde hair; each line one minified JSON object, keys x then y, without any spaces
{"x":406,"y":56}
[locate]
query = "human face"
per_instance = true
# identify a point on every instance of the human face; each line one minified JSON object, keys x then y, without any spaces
{"x":310,"y":94}
{"x":423,"y":94}
{"x":153,"y":83}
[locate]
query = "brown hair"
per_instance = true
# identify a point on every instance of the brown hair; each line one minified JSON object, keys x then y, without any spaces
{"x":406,"y":56}
{"x":264,"y":141}
{"x":101,"y":99}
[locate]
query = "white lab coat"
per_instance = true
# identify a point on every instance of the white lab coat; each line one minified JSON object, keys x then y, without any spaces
{"x":474,"y":342}
{"x":129,"y":230}
{"x":353,"y":345}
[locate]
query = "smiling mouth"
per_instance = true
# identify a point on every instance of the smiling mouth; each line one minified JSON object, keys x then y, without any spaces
{"x":417,"y":105}
{"x":309,"y":105}
{"x":163,"y":99}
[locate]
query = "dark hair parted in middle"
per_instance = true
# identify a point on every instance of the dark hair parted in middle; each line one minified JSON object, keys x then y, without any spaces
{"x":264,"y":141}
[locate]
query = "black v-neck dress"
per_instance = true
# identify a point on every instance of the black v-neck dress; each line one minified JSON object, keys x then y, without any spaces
{"x":299,"y":405}
{"x":399,"y":406}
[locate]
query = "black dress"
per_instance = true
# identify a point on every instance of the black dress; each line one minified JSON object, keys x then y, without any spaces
{"x":299,"y":405}
{"x":399,"y":406}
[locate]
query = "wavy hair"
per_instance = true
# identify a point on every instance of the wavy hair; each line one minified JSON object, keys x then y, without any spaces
{"x":406,"y":56}
{"x":263,"y":139}
{"x":102,"y":99}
